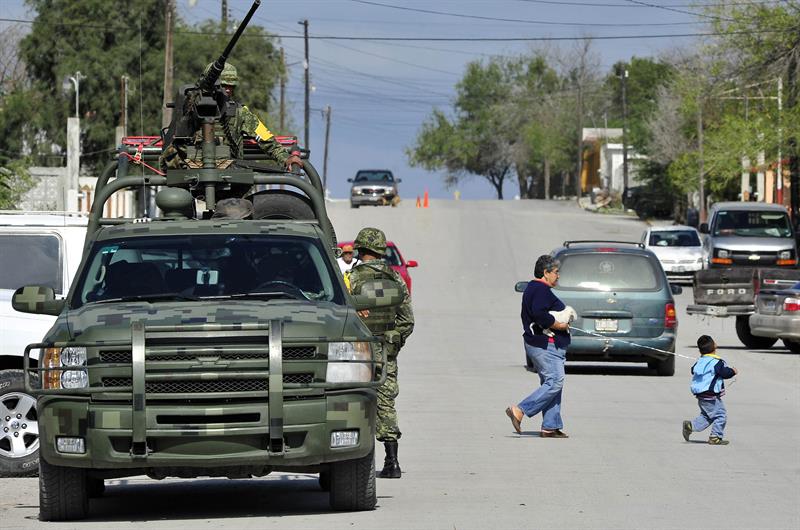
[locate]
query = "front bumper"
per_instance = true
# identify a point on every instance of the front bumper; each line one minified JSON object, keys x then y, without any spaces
{"x":590,"y":348}
{"x":775,"y":326}
{"x":373,"y":199}
{"x":107,"y":427}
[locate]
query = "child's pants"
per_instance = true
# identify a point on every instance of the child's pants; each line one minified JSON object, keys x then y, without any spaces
{"x":712,"y":412}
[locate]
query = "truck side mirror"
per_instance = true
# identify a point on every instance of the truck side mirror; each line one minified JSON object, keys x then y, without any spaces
{"x":520,"y":286}
{"x":349,"y":180}
{"x":676,"y":289}
{"x":37,"y":299}
{"x":703,"y":228}
{"x":378,"y":294}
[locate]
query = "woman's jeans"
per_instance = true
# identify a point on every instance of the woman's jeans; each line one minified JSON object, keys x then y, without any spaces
{"x":712,"y":412}
{"x":547,"y":398}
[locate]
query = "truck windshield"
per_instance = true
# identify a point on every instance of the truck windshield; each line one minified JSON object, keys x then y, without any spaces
{"x":603,"y":271}
{"x":374,"y":176}
{"x":206,"y":267}
{"x":752,"y":224}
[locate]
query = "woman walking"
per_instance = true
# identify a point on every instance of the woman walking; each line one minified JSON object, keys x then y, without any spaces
{"x":546,"y":342}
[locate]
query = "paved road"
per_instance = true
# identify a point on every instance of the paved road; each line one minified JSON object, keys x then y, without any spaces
{"x":625,"y":465}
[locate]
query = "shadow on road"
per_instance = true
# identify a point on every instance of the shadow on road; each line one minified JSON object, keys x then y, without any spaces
{"x":777,"y":350}
{"x":601,"y":369}
{"x":281,"y":495}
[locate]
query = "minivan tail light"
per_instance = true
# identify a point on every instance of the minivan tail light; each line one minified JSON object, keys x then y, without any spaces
{"x":670,"y":316}
{"x":791,"y":304}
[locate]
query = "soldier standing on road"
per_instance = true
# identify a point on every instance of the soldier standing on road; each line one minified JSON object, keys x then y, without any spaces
{"x":394,"y":325}
{"x":237,"y":122}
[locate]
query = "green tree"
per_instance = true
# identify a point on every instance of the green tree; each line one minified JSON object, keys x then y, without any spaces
{"x":15,"y":181}
{"x":474,"y":142}
{"x":106,"y":40}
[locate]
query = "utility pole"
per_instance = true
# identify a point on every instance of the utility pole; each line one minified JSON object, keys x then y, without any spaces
{"x":224,"y":18}
{"x":580,"y":139}
{"x":624,"y":136}
{"x":779,"y":179}
{"x":700,"y":161}
{"x":327,"y":137}
{"x":166,"y":113}
{"x":283,"y":92}
{"x":794,"y":162}
{"x":304,"y":23}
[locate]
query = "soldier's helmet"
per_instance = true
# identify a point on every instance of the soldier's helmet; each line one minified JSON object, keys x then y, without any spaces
{"x":372,"y":239}
{"x":229,"y":75}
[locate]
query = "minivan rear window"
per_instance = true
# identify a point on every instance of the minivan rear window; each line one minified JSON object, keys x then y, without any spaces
{"x":603,"y":271}
{"x":30,"y":260}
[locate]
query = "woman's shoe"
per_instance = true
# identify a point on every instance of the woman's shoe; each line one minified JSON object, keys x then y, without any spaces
{"x":516,"y":422}
{"x":558,"y":433}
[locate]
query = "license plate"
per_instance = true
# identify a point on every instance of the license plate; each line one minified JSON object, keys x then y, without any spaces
{"x":769,"y":306}
{"x":680,"y":268}
{"x":606,"y":324}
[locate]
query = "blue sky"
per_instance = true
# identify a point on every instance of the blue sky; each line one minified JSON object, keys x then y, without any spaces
{"x":381,"y":91}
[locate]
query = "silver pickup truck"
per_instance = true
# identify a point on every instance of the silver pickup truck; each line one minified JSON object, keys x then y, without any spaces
{"x":747,"y":245}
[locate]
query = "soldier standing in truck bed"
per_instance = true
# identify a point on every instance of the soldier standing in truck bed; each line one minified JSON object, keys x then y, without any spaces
{"x":393,"y":324}
{"x":237,"y":123}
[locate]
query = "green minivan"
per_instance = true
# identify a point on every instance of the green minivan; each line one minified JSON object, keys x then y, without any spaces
{"x":619,"y":291}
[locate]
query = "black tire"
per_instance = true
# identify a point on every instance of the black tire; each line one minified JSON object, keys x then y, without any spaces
{"x":748,"y":339}
{"x":19,"y":456}
{"x":792,"y":345}
{"x":95,"y":487}
{"x":325,"y":480}
{"x":353,"y":484}
{"x":354,"y":206}
{"x":666,"y":368}
{"x":281,"y":204}
{"x":63,"y":493}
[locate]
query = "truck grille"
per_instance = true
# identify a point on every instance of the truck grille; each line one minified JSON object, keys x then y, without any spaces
{"x":289,"y":353}
{"x":206,"y":387}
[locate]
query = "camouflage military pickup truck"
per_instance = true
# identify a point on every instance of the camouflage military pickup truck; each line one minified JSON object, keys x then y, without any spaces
{"x":205,"y":341}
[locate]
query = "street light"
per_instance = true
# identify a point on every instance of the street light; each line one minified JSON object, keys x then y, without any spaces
{"x":624,"y":138}
{"x":76,"y":80}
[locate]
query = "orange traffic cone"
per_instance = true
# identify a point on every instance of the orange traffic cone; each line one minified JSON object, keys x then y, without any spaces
{"x":418,"y":201}
{"x":425,"y":200}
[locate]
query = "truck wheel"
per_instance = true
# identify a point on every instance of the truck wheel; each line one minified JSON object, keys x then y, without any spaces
{"x":281,"y":204}
{"x":792,"y":345}
{"x":63,"y":493}
{"x":95,"y":487}
{"x":19,"y":427}
{"x":353,"y":484}
{"x":666,"y":368}
{"x":750,"y":340}
{"x":325,"y":480}
{"x":354,"y":206}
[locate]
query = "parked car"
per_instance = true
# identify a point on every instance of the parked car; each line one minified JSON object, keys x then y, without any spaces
{"x":619,"y":290}
{"x":678,"y":248}
{"x":40,"y":249}
{"x":777,"y":316}
{"x":395,"y":260}
{"x":376,"y":187}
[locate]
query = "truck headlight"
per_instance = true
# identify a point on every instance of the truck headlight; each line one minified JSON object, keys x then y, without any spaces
{"x":786,"y":254}
{"x":68,"y":357}
{"x":722,"y":253}
{"x":350,"y":371}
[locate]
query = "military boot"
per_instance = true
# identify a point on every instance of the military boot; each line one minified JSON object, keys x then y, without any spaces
{"x":391,"y":467}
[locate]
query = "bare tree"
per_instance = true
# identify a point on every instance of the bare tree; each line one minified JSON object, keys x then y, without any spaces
{"x":12,"y":68}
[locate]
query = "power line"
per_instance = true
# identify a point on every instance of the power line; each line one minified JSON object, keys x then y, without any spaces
{"x":601,"y":4}
{"x":448,"y":39}
{"x":523,"y":21}
{"x":666,"y":8}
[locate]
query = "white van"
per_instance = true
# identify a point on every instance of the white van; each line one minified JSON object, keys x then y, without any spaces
{"x":40,"y":248}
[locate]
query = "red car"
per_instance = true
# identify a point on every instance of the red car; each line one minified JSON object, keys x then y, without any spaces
{"x":394,"y":259}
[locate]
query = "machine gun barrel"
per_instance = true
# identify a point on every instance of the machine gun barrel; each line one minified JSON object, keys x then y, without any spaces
{"x":208,"y":79}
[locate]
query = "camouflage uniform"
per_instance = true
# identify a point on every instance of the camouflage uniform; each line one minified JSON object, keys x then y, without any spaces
{"x":237,"y":123}
{"x":394,"y":324}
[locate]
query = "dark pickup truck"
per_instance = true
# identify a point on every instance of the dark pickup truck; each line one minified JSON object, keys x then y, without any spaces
{"x":749,"y":246}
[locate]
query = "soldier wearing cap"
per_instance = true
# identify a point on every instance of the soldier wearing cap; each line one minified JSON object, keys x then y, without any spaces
{"x":237,"y":122}
{"x":393,"y":325}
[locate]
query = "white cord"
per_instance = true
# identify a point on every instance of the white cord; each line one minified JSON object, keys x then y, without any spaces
{"x":629,"y":342}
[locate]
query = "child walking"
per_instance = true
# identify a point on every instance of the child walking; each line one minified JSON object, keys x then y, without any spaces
{"x":708,"y":375}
